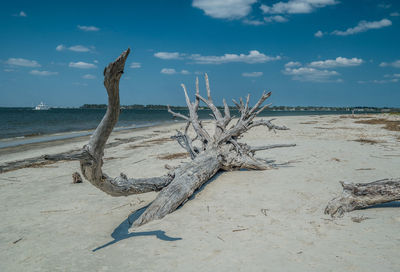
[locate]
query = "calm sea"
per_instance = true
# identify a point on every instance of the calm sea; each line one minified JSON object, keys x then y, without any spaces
{"x":24,"y":123}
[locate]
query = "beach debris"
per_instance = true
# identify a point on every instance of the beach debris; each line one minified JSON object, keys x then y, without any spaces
{"x":359,"y":219}
{"x":391,"y":125}
{"x":173,"y":156}
{"x":16,"y":241}
{"x":210,"y":152}
{"x":35,"y":162}
{"x":356,"y":196}
{"x":55,"y":211}
{"x":76,"y":178}
{"x":236,"y":230}
{"x":169,"y":167}
{"x":264,"y":212}
{"x":367,"y":141}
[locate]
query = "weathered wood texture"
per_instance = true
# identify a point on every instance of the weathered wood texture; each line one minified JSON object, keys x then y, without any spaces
{"x":40,"y":161}
{"x":92,"y":155}
{"x":213,"y":152}
{"x":357,"y":196}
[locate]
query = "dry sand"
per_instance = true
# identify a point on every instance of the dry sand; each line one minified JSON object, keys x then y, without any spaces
{"x":240,"y":221}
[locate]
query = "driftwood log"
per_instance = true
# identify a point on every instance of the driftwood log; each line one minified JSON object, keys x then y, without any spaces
{"x":357,"y":196}
{"x":209,"y":152}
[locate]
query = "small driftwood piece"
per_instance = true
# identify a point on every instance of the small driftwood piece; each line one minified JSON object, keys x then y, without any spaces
{"x":72,"y":155}
{"x":211,"y":153}
{"x":357,"y":196}
{"x":76,"y":178}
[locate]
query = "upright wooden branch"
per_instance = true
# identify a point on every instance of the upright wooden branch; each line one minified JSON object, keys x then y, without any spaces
{"x":92,"y":159}
{"x":357,"y":196}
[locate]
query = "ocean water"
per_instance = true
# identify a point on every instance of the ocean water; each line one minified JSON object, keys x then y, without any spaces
{"x":25,"y":122}
{"x":18,"y":125}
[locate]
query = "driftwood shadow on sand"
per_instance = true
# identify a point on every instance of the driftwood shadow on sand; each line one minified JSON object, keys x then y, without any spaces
{"x":122,"y":231}
{"x":393,"y":204}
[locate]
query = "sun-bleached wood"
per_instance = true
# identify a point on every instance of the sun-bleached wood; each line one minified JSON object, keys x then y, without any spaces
{"x":218,"y":151}
{"x":357,"y":196}
{"x":92,"y":162}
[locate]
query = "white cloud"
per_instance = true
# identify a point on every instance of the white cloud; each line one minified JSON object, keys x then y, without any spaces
{"x":185,"y":72}
{"x":88,"y":28}
{"x":393,"y":80}
{"x":392,"y":75}
{"x":20,"y":14}
{"x":135,"y":65}
{"x":253,"y":22}
{"x":276,"y":18}
{"x":395,"y":64}
{"x":319,"y":34}
{"x":293,"y":64}
{"x":338,"y":62}
{"x":381,"y":81}
{"x":89,"y":76}
{"x":22,"y":62}
{"x":168,"y":55}
{"x":225,"y":9}
{"x":310,"y":74}
{"x":172,"y":71}
{"x":317,"y":71}
{"x":363,"y":26}
{"x":254,"y":56}
{"x":79,"y":48}
{"x":252,"y":74}
{"x":60,"y":47}
{"x":296,"y":6}
{"x":82,"y":65}
{"x":42,"y":73}
{"x":168,"y":71}
{"x":395,"y":14}
{"x":75,"y":48}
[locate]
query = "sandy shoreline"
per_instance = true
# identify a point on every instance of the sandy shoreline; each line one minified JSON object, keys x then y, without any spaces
{"x":240,"y":221}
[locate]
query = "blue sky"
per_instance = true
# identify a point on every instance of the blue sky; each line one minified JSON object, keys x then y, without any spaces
{"x":307,"y":52}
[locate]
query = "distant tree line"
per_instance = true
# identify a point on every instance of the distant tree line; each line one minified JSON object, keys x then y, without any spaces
{"x":93,"y":106}
{"x":272,"y":108}
{"x":131,"y":107}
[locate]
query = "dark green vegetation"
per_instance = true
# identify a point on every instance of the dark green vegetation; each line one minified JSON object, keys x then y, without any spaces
{"x":272,"y":108}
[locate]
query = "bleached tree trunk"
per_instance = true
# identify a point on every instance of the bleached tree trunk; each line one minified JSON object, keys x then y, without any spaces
{"x":220,"y":151}
{"x":357,"y":196}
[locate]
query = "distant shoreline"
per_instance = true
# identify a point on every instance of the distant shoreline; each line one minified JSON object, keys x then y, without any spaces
{"x":36,"y":138}
{"x":272,"y":108}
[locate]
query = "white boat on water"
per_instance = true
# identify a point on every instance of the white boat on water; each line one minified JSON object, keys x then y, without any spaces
{"x":42,"y":106}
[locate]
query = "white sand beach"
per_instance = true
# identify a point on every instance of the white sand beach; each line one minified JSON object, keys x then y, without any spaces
{"x":269,"y":220}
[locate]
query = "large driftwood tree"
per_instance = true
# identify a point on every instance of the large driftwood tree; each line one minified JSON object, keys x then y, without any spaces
{"x":218,"y":151}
